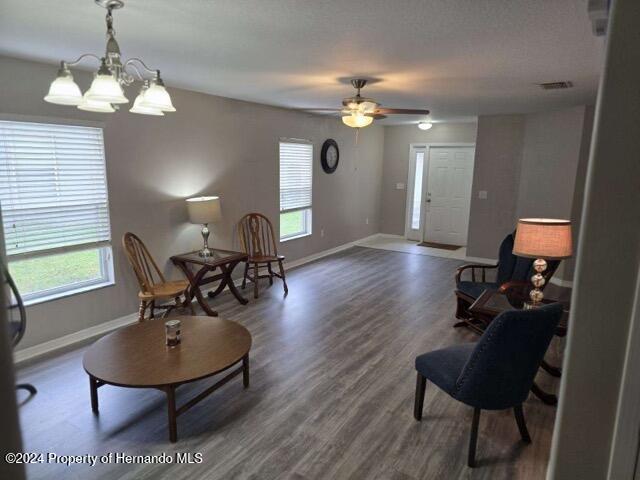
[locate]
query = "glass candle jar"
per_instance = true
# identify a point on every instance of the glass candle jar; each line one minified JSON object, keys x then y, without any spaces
{"x":172,"y":332}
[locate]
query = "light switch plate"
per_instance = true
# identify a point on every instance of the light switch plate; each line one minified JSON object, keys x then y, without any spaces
{"x":399,"y":186}
{"x":482,"y":194}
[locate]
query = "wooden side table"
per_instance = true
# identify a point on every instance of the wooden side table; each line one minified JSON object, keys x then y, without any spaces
{"x":492,"y":303}
{"x":196,"y":269}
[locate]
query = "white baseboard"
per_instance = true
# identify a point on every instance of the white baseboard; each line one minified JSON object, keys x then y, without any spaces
{"x":106,"y":327}
{"x":76,"y":337}
{"x":481,"y":260}
{"x":310,"y":258}
{"x":386,"y":235}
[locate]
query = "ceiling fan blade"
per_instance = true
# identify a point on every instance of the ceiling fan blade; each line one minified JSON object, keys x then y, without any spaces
{"x":401,"y":111}
{"x":308,"y":109}
{"x":377,"y":116}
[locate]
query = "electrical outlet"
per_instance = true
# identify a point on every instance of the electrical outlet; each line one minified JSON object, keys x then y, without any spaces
{"x":322,"y":232}
{"x":482,"y":194}
{"x":366,"y":220}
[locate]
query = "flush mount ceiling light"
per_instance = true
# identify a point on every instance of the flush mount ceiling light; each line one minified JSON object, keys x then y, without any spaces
{"x":106,"y":93}
{"x":425,"y":125}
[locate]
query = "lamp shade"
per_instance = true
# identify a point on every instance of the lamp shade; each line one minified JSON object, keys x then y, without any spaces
{"x":204,"y":210}
{"x":546,"y":238}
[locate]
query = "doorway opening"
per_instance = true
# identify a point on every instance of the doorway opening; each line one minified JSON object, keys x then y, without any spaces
{"x":439,"y":193}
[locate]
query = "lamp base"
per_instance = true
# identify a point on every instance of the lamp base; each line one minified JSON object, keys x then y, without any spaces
{"x":538,"y":281}
{"x":205,"y":252}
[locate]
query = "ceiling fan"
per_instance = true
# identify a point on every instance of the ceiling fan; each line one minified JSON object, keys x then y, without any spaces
{"x":359,"y":111}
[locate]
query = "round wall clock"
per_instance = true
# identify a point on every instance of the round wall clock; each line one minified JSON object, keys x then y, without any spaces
{"x":330,"y":155}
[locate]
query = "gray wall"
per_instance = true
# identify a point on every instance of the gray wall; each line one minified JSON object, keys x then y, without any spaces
{"x":531,"y":166}
{"x":211,"y":145}
{"x":608,"y":263}
{"x":497,"y":171}
{"x":551,"y":149}
{"x":396,"y":164}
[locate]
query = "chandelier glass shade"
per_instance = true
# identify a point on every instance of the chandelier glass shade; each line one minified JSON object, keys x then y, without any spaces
{"x":139,"y":107}
{"x":90,"y":105}
{"x":63,"y":90}
{"x":106,"y":92}
{"x":157,"y":97}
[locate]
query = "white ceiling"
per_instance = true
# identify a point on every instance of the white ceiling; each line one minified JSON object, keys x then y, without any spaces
{"x":458,"y":58}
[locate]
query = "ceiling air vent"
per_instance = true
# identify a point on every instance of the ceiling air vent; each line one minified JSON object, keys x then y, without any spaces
{"x":555,"y":85}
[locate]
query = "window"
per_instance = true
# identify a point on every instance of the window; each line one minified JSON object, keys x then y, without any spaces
{"x":417,"y":191}
{"x":55,"y":214}
{"x":296,"y":175}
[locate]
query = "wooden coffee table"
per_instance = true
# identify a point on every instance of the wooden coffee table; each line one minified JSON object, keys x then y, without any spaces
{"x":137,"y":357}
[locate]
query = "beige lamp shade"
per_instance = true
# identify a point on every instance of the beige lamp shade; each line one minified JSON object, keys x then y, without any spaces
{"x":204,"y":210}
{"x":546,"y":238}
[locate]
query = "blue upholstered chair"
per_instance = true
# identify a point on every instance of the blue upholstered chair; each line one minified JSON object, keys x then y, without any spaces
{"x":496,"y":372}
{"x":512,"y":273}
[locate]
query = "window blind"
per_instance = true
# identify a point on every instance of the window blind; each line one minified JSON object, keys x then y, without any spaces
{"x":296,"y":168}
{"x":53,"y":188}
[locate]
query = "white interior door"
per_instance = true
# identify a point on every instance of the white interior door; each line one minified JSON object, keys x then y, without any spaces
{"x":448,"y":199}
{"x":416,"y":194}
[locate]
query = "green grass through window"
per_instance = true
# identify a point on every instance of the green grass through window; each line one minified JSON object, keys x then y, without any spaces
{"x":43,"y":273}
{"x":292,"y":223}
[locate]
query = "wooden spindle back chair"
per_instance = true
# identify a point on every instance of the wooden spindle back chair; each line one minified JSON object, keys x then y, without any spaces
{"x":154,"y":287}
{"x":258,"y":241}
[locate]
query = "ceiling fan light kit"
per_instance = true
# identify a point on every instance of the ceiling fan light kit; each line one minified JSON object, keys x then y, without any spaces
{"x":357,"y":120}
{"x":425,"y":125}
{"x":106,"y":93}
{"x":360,"y":112}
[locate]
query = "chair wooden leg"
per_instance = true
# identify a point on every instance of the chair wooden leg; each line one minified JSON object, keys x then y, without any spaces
{"x":522,"y":426}
{"x":152,"y":308}
{"x":461,"y":311}
{"x":141,"y":310}
{"x":474,"y":438}
{"x":421,"y":385}
{"x":270,"y":273}
{"x":284,"y":280}
{"x":244,"y":278}
{"x":255,"y":280}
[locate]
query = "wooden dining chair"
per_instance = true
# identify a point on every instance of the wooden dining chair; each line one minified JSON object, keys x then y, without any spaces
{"x":258,"y":242}
{"x":154,"y":288}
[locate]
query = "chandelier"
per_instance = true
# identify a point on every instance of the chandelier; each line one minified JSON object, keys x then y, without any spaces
{"x":105,"y":94}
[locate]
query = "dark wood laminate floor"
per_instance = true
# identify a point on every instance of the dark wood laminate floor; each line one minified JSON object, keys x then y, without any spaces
{"x":331,"y":394}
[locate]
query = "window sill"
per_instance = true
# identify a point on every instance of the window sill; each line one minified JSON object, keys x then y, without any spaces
{"x":295,"y":237}
{"x":68,"y":293}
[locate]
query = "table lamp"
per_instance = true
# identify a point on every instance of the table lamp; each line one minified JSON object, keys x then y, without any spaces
{"x":543,"y":239}
{"x":203,"y":211}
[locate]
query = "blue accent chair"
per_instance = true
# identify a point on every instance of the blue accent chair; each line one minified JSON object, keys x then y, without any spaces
{"x":496,"y":372}
{"x":512,"y":276}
